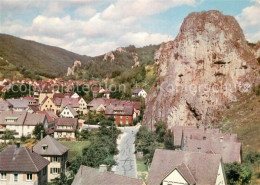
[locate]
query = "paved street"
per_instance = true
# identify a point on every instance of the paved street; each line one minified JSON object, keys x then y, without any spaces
{"x":126,"y":157}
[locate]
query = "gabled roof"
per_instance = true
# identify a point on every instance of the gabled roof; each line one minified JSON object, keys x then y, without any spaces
{"x":34,"y":119}
{"x":21,"y":117}
{"x":74,"y":102}
{"x":230,"y":151}
{"x":18,"y":103}
{"x":53,"y":147}
{"x":119,"y":110}
{"x":136,"y":91}
{"x":18,"y":115}
{"x":66,"y":122}
{"x":73,"y":112}
{"x":50,"y":115}
{"x":21,"y":159}
{"x":201,"y":167}
{"x":91,"y":176}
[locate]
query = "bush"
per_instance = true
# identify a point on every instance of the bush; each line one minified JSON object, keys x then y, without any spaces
{"x":238,"y":174}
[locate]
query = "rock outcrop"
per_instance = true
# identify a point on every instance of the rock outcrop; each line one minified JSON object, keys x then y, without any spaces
{"x":207,"y":65}
{"x":109,"y":55}
{"x":71,"y":70}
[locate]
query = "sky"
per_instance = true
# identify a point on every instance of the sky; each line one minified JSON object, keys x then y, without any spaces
{"x":94,"y":27}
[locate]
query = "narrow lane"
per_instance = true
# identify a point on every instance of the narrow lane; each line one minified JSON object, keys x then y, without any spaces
{"x":126,"y":162}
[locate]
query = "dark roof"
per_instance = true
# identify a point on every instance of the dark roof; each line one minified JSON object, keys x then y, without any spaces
{"x":66,"y":122}
{"x":21,"y":159}
{"x":18,"y":103}
{"x":119,"y":110}
{"x":136,"y":91}
{"x":34,"y":108}
{"x":58,"y":95}
{"x":230,"y":151}
{"x":92,"y":176}
{"x":53,"y":147}
{"x":34,"y":119}
{"x":51,"y":116}
{"x":196,"y":168}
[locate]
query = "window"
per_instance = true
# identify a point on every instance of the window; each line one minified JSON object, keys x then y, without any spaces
{"x":55,"y":159}
{"x":3,"y":176}
{"x":29,"y":177}
{"x":15,"y":177}
{"x":126,"y":117}
{"x":55,"y":170}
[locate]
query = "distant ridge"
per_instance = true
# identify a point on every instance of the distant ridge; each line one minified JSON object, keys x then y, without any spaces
{"x":32,"y":59}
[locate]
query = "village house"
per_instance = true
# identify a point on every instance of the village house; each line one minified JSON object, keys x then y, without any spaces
{"x":41,"y":92}
{"x":22,"y":122}
{"x":48,"y":105}
{"x":183,"y":133}
{"x":139,"y":93}
{"x":19,"y":104}
{"x":99,"y":104}
{"x":90,"y":176}
{"x":203,"y":139}
{"x":54,"y":152}
{"x":51,"y":117}
{"x":229,"y":151}
{"x":122,"y":114}
{"x":182,"y":167}
{"x":65,"y":128}
{"x":68,"y":112}
{"x":20,"y":165}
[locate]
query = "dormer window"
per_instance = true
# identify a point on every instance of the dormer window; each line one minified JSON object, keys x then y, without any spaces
{"x":204,"y":137}
{"x":44,"y":147}
{"x":221,"y":139}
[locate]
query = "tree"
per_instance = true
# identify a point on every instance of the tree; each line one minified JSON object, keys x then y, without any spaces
{"x":145,"y":142}
{"x":238,"y":174}
{"x":168,"y":140}
{"x":8,"y":134}
{"x":38,"y":130}
{"x":161,"y":128}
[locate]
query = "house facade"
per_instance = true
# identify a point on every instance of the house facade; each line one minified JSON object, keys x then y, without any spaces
{"x":121,"y":114}
{"x":139,"y":93}
{"x":65,"y":128}
{"x":68,"y":112}
{"x":23,"y":123}
{"x":55,"y":153}
{"x":48,"y":105}
{"x":21,"y":166}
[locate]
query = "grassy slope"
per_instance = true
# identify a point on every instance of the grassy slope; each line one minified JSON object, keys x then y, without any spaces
{"x":243,"y":117}
{"x":36,"y":57}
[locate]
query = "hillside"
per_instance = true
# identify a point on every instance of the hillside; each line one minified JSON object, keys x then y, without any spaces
{"x":115,"y":63}
{"x":243,"y":117}
{"x":32,"y":59}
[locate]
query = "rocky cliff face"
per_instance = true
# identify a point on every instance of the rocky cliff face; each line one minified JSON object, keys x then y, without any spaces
{"x":207,"y":65}
{"x":71,"y":71}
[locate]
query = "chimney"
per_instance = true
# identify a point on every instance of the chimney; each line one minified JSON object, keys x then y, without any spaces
{"x":102,"y":168}
{"x":42,"y":134}
{"x":18,"y":145}
{"x":199,"y":149}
